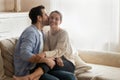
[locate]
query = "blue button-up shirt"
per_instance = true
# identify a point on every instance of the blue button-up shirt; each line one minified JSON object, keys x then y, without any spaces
{"x":27,"y":45}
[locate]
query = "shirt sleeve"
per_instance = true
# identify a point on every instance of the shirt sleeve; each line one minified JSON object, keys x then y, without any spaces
{"x":27,"y":45}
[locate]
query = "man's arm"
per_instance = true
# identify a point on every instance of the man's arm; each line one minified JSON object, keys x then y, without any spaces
{"x":36,"y":58}
{"x":58,"y":60}
{"x":42,"y":59}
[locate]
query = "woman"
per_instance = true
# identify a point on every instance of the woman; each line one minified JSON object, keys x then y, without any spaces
{"x":57,"y":42}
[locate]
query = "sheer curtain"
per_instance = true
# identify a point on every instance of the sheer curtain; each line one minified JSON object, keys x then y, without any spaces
{"x":91,"y":24}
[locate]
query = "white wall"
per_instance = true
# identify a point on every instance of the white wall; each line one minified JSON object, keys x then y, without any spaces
{"x":13,"y":24}
{"x":92,"y":24}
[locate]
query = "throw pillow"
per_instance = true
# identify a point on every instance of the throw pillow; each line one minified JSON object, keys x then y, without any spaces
{"x":7,"y":49}
{"x":81,"y":66}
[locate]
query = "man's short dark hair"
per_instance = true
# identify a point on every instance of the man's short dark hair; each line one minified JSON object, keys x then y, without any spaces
{"x":34,"y":12}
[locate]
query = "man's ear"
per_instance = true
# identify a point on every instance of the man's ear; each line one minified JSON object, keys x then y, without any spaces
{"x":39,"y":18}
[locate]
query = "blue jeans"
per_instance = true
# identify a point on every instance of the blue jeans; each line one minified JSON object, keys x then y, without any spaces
{"x":58,"y":75}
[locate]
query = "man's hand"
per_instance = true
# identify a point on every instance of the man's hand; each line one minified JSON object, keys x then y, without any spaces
{"x":59,"y":62}
{"x":41,"y":55}
{"x":37,"y":57}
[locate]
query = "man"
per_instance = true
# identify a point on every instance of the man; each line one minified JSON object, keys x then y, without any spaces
{"x":29,"y":47}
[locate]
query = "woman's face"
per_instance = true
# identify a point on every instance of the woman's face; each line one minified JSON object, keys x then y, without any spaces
{"x":54,"y":20}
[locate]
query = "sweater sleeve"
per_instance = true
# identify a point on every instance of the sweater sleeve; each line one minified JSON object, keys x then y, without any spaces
{"x":62,"y":46}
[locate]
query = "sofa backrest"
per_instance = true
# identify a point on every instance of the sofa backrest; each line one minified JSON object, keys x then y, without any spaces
{"x":1,"y":67}
{"x":7,"y":47}
{"x":101,"y":57}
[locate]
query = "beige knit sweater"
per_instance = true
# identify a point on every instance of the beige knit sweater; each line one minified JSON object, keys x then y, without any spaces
{"x":58,"y":44}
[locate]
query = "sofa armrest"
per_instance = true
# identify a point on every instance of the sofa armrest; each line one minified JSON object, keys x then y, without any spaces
{"x":100,"y":57}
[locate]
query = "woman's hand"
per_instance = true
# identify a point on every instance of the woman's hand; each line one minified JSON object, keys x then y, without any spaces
{"x":59,"y":62}
{"x":49,"y":61}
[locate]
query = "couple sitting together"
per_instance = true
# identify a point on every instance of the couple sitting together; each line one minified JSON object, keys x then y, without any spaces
{"x":44,"y":56}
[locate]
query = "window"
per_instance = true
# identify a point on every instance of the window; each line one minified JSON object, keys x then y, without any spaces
{"x":91,"y":24}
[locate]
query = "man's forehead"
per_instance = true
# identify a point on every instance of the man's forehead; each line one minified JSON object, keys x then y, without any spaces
{"x":45,"y":10}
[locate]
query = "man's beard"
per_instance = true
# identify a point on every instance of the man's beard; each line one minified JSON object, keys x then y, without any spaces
{"x":45,"y":23}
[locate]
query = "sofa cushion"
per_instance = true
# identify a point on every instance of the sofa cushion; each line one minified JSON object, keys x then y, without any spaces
{"x":2,"y":76}
{"x":100,"y":72}
{"x":101,"y":57}
{"x":81,"y":66}
{"x":7,"y":49}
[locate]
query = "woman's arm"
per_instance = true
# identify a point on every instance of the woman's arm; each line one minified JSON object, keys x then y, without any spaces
{"x":62,"y":46}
